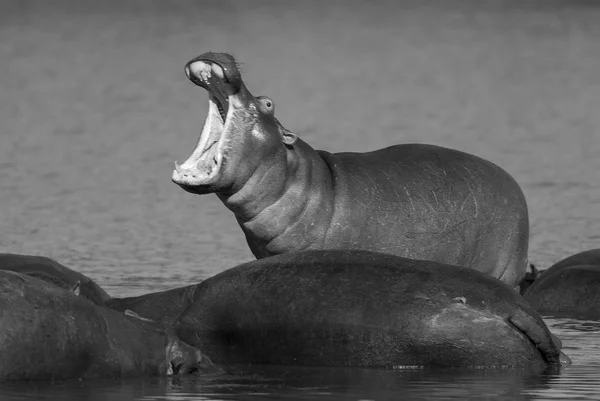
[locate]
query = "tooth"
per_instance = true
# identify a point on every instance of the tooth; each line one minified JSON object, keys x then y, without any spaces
{"x":218,"y":71}
{"x":177,"y":168}
{"x":199,"y":69}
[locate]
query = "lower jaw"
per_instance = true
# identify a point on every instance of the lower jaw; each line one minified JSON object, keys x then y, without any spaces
{"x":199,"y":189}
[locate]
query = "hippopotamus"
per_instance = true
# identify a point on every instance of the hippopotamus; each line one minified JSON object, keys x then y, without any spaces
{"x":352,"y":308}
{"x":53,"y":272}
{"x":568,"y":288}
{"x":412,"y":200}
{"x":48,"y":333}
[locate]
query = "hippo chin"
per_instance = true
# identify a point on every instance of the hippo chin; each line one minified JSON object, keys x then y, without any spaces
{"x":569,"y":288}
{"x":53,"y":272}
{"x":356,"y":309}
{"x":417,"y":201}
{"x":47,"y":333}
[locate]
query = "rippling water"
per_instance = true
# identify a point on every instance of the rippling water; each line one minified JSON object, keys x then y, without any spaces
{"x":94,"y":108}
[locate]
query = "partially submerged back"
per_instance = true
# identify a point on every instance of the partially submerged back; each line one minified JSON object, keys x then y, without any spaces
{"x":590,"y":257}
{"x":363,"y":309}
{"x":48,"y":333}
{"x":53,"y":272}
{"x":567,"y":291}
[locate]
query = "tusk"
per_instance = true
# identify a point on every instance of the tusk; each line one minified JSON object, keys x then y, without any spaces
{"x":177,"y":168}
{"x":199,"y":70}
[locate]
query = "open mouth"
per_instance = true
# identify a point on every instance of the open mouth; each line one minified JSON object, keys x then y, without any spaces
{"x":205,"y":161}
{"x":211,"y":77}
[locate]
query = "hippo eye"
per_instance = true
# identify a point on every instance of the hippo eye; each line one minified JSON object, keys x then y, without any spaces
{"x":266,"y":105}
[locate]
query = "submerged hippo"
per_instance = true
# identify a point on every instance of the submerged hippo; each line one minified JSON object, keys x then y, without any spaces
{"x":569,"y":288}
{"x":47,"y":333}
{"x":53,"y":272}
{"x":355,"y":309}
{"x":417,"y":201}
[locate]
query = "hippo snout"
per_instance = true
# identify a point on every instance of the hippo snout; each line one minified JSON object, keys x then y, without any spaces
{"x":222,"y":65}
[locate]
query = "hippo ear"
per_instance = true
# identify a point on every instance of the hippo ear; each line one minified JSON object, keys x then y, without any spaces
{"x":534,"y":270}
{"x":76,"y":289}
{"x":288,"y":137}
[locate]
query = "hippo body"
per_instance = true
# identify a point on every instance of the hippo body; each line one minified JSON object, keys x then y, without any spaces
{"x":414,"y":200}
{"x":569,"y":288}
{"x":48,"y":333}
{"x":359,"y":309}
{"x":53,"y":272}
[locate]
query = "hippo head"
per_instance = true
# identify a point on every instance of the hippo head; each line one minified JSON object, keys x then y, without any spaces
{"x":183,"y":359}
{"x":239,"y":132}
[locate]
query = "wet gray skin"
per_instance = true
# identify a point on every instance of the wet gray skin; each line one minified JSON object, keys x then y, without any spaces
{"x":358,"y":309}
{"x":48,"y":333}
{"x":240,"y":130}
{"x":568,"y":288}
{"x":53,"y":272}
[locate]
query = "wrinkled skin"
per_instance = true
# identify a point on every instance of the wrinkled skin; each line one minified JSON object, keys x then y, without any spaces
{"x":48,"y":333}
{"x":53,"y":272}
{"x":359,"y":309}
{"x":417,"y":201}
{"x":569,"y":288}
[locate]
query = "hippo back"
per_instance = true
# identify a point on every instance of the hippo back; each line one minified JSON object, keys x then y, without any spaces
{"x":359,"y":308}
{"x":53,"y":272}
{"x":430,"y":203}
{"x":567,"y":291}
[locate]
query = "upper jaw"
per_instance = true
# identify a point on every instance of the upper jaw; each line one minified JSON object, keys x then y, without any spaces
{"x":219,"y":75}
{"x":211,"y":77}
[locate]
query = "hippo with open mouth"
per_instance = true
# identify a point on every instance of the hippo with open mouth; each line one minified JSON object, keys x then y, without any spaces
{"x":413,"y":200}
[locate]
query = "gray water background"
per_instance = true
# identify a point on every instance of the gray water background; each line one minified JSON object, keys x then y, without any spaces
{"x":95,"y":107}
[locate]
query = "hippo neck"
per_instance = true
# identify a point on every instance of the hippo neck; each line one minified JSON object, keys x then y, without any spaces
{"x":284,"y":206}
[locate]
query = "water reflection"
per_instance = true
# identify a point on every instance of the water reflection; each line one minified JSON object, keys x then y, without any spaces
{"x":581,"y":341}
{"x":292,"y":383}
{"x":576,"y":383}
{"x":347,"y":384}
{"x":84,"y":391}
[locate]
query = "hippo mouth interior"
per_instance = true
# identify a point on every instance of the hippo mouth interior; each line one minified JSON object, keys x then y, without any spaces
{"x":206,"y":159}
{"x":222,"y":106}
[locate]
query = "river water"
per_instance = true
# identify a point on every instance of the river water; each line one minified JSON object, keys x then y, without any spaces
{"x":95,"y":107}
